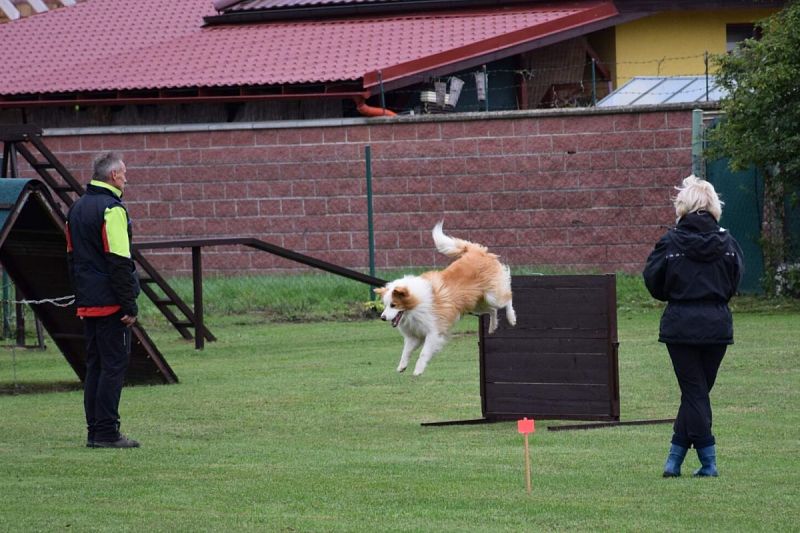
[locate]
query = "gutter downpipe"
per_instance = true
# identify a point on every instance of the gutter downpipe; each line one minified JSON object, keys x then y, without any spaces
{"x":371,"y":111}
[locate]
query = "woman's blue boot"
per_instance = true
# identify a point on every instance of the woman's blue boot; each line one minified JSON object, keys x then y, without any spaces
{"x":708,"y":458}
{"x":672,"y":468}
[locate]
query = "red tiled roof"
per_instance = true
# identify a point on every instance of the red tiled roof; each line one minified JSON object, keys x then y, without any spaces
{"x":243,"y":5}
{"x":110,"y":45}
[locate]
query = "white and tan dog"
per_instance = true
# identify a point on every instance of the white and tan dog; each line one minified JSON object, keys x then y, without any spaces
{"x":426,"y":307}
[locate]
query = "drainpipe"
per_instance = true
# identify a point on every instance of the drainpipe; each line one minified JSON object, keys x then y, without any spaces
{"x":370,"y":111}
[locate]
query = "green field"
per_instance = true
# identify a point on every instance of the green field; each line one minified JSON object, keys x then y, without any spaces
{"x":305,"y":426}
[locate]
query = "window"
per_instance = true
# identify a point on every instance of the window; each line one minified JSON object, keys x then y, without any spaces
{"x":736,"y":33}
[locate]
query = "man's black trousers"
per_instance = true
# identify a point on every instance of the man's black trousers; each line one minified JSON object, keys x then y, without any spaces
{"x":108,"y":348}
{"x":696,"y":368}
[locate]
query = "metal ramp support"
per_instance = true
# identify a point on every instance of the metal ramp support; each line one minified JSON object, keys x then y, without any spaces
{"x":26,"y":140}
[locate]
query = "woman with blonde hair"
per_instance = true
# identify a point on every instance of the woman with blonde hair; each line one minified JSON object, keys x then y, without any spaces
{"x":696,"y":268}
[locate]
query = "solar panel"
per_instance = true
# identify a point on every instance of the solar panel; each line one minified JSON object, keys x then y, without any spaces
{"x":651,"y":90}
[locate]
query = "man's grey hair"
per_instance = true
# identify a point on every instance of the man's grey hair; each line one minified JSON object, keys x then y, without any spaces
{"x":105,"y":164}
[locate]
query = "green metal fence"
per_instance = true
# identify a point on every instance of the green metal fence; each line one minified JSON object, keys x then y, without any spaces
{"x":742,"y":193}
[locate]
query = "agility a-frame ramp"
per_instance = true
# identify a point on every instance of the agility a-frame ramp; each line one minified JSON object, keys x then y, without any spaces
{"x":33,"y":250}
{"x":25,"y":141}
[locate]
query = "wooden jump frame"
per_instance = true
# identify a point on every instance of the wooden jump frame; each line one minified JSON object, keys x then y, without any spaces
{"x":560,"y":362}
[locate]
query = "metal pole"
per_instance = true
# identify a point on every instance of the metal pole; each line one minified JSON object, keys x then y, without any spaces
{"x":705,"y":60}
{"x":6,"y":306}
{"x":5,"y":161}
{"x":39,"y":332}
{"x":371,"y":229}
{"x":697,"y":142}
{"x":20,"y":318}
{"x":486,"y":86}
{"x":4,"y":172}
{"x":383,"y":97}
{"x":197,"y":284}
{"x":594,"y":84}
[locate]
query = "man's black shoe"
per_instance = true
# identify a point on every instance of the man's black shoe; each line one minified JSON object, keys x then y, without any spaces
{"x":121,"y":442}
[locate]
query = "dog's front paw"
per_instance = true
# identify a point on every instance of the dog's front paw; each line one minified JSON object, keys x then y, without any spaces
{"x":401,"y":367}
{"x":419,"y":369}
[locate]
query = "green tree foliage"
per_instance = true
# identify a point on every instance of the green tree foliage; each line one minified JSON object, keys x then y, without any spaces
{"x":762,"y":122}
{"x":762,"y":109}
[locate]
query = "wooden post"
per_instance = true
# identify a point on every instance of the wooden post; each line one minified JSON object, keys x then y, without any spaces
{"x":527,"y":465}
{"x":527,"y":426}
{"x":197,"y":283}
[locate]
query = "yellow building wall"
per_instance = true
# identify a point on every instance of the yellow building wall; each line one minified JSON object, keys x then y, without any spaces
{"x":674,"y":43}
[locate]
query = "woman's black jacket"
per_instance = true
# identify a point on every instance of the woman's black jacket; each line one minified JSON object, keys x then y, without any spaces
{"x":696,"y":267}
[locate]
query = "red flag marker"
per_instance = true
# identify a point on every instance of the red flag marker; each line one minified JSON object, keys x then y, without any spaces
{"x":525,"y":427}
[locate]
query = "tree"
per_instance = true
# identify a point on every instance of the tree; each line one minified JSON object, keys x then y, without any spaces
{"x":762,"y":120}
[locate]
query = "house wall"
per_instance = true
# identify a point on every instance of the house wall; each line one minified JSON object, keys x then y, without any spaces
{"x":579,"y":189}
{"x":673,"y":43}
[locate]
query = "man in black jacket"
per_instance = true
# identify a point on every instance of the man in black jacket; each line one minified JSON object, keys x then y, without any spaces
{"x":106,"y":286}
{"x":696,"y":267}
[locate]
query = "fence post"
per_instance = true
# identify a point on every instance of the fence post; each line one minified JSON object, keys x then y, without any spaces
{"x":370,"y":227}
{"x":6,"y":305}
{"x":383,"y":96}
{"x":486,"y":85}
{"x":698,"y":169}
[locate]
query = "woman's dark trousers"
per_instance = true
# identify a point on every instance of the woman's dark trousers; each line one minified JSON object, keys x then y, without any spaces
{"x":108,"y":346}
{"x":696,"y":368}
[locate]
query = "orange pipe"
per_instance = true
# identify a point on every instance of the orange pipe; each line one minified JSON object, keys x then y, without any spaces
{"x":370,"y":111}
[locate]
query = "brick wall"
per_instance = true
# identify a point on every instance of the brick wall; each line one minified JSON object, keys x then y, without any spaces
{"x":589,"y":192}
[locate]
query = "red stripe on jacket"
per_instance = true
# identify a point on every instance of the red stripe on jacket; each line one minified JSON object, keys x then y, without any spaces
{"x":94,"y":312}
{"x":69,"y":240}
{"x":105,"y":238}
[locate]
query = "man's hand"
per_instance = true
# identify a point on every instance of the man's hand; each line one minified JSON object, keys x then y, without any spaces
{"x":128,"y":320}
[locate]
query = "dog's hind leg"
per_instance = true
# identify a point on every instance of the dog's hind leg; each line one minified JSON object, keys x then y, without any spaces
{"x":511,"y":315}
{"x":492,"y":320}
{"x":494,"y":304}
{"x":500,"y":302}
{"x":433,"y":343}
{"x":506,"y":297}
{"x":409,"y":345}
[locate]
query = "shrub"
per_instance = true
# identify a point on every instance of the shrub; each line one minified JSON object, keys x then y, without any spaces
{"x":787,"y":280}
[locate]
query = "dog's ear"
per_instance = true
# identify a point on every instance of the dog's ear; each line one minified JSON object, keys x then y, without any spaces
{"x":380,"y":291}
{"x":400,"y":293}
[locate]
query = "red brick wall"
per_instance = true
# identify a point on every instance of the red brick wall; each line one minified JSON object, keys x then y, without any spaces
{"x":584,"y":192}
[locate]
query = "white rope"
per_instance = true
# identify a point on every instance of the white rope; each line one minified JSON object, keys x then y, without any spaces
{"x":59,"y":302}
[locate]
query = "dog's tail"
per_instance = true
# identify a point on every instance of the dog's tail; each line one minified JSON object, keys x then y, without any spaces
{"x":450,"y":246}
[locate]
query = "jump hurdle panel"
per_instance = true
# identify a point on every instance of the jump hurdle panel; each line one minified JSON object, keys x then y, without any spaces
{"x":561,"y":359}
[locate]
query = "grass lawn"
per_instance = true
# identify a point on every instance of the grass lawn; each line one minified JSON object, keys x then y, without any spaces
{"x":306,"y":427}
